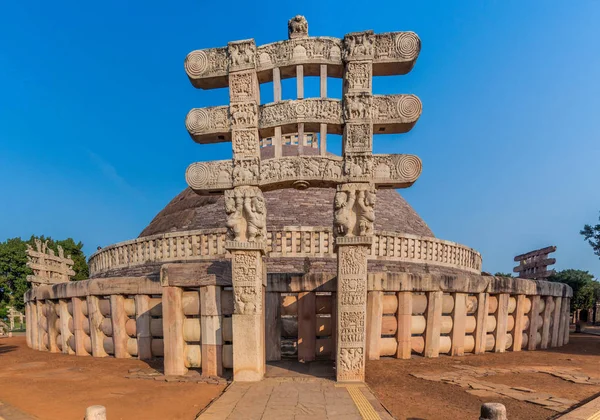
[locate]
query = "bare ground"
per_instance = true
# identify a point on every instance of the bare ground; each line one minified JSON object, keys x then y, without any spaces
{"x":57,"y":386}
{"x":408,"y":397}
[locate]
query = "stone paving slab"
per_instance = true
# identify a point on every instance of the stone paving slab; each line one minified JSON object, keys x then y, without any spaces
{"x":295,"y":399}
{"x":588,"y":411}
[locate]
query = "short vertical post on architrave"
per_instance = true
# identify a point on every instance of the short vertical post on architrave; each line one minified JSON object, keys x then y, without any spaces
{"x":501,"y":323}
{"x":52,"y":330}
{"x":211,"y":325}
{"x":459,"y":319}
{"x":404,"y":333}
{"x":300,"y":81}
{"x":307,"y":326}
{"x":533,"y":322}
{"x":78,"y":320}
{"x":547,"y":317}
{"x":433,"y":317}
{"x":173,"y":317}
{"x":323,"y":127}
{"x":276,"y":98}
{"x":142,"y":326}
{"x":374,"y":320}
{"x":273,"y":326}
{"x":118,"y":319}
{"x":96,"y":334}
{"x":300,"y":95}
{"x":517,"y":343}
{"x":480,"y":326}
{"x":556,"y":322}
{"x":65,"y":333}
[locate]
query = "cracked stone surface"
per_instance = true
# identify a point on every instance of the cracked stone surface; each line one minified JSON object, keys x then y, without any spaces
{"x":469,"y":377}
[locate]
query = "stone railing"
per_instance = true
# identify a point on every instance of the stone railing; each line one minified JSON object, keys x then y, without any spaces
{"x":290,"y":241}
{"x":407,"y":314}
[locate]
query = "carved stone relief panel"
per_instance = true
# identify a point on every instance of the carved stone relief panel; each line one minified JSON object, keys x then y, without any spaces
{"x":244,"y":114}
{"x":211,"y":62}
{"x":245,"y":143}
{"x":202,"y":121}
{"x":304,"y":110}
{"x":352,"y":327}
{"x":358,"y":76}
{"x":247,"y":282}
{"x":243,"y":86}
{"x":214,"y":175}
{"x":358,"y":138}
{"x":242,"y":55}
{"x":357,"y":107}
{"x":358,"y":167}
{"x":359,"y":46}
{"x":323,"y":50}
{"x":388,"y":170}
{"x":397,"y":45}
{"x":246,"y":171}
{"x":309,"y":168}
{"x":352,"y":305}
{"x":351,"y":364}
{"x":396,"y":168}
{"x":398,"y":108}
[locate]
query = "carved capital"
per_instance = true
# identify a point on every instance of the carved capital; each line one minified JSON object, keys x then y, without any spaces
{"x":246,"y":214}
{"x":354,"y":212}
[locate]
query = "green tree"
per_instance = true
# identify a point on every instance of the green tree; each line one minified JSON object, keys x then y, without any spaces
{"x":500,"y":274}
{"x":592,"y":235}
{"x":585,"y":289}
{"x":14,"y":270}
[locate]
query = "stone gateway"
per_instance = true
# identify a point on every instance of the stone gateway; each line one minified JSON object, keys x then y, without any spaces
{"x":286,"y":251}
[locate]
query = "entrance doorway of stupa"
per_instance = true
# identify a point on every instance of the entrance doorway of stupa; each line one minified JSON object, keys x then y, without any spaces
{"x":300,"y":333}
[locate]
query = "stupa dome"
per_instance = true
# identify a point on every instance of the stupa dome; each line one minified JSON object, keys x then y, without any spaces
{"x":288,"y":207}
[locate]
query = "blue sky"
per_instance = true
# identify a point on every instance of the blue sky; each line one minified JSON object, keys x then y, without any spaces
{"x":93,"y":98}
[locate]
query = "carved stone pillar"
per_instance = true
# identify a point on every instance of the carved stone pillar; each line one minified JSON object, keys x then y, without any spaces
{"x":354,"y":214}
{"x":246,"y":215}
{"x":351,"y":307}
{"x":249,"y":277}
{"x":354,"y":226}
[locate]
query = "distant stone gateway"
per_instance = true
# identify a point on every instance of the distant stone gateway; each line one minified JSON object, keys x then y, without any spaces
{"x":289,"y":251}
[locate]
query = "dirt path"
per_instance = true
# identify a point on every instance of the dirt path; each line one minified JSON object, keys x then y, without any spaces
{"x":408,"y":397}
{"x":56,"y":386}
